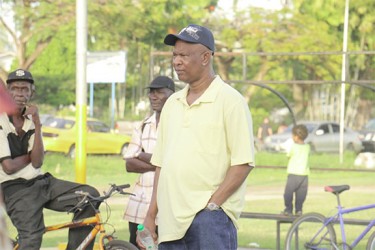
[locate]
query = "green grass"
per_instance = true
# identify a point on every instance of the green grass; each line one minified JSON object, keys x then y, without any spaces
{"x":265,"y":193}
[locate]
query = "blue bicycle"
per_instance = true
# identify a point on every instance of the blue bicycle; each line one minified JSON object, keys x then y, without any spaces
{"x":316,"y":232}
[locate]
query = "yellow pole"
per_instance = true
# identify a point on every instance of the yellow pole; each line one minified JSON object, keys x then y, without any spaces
{"x":81,"y":90}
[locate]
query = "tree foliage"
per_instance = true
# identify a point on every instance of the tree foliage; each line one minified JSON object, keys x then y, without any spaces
{"x":43,"y":40}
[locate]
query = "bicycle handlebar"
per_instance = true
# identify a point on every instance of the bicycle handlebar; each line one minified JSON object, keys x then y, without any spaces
{"x":78,"y":194}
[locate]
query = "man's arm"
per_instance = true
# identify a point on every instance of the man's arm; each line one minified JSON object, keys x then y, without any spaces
{"x":11,"y":166}
{"x":140,"y":164}
{"x":37,"y":152}
{"x":149,"y":222}
{"x":234,"y":178}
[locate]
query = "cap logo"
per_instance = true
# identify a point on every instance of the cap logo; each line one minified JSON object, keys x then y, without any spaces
{"x":191,"y":31}
{"x":20,"y":72}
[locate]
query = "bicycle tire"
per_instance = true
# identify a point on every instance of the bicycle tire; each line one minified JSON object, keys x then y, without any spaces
{"x":119,"y":245}
{"x":301,"y":233}
{"x":371,"y":242}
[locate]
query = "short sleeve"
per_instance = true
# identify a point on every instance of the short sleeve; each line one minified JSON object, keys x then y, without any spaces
{"x":4,"y":146}
{"x":135,"y":145}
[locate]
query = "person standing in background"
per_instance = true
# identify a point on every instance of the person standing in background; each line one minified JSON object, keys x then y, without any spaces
{"x":139,"y":152}
{"x":298,"y":171}
{"x":264,"y":129}
{"x":203,"y":155}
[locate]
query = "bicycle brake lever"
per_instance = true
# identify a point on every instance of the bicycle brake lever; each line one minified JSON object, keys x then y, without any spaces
{"x":126,"y":193}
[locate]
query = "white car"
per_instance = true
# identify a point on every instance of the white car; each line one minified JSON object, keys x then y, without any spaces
{"x":323,"y":137}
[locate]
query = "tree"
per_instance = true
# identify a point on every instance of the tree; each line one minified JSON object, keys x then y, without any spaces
{"x":35,"y":24}
{"x":308,"y":26}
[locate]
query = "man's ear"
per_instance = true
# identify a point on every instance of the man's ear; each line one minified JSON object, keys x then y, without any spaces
{"x":206,"y":58}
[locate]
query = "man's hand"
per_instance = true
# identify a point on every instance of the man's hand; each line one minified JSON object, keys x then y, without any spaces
{"x":32,"y":110}
{"x":37,"y":152}
{"x":149,"y":223}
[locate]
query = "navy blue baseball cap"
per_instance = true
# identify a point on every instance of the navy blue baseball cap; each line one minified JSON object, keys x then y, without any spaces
{"x":193,"y":34}
{"x":20,"y":75}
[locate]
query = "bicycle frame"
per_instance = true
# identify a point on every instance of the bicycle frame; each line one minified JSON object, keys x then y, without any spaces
{"x":339,"y":217}
{"x":95,"y":221}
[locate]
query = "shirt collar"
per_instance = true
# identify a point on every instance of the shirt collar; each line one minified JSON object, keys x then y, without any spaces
{"x":208,"y":96}
{"x":151,"y":119}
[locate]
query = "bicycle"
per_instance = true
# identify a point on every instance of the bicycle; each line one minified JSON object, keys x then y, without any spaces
{"x":105,"y":241}
{"x":316,"y":232}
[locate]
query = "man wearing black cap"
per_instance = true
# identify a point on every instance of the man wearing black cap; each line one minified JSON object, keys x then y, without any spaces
{"x":139,"y":153}
{"x":203,"y":154}
{"x":26,"y":189}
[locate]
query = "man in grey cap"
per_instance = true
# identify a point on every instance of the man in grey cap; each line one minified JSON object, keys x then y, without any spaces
{"x":26,"y":189}
{"x":139,"y":153}
{"x":203,"y":155}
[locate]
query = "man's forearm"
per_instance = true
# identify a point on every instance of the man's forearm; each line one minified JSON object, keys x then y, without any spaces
{"x":236,"y":175}
{"x":153,"y":208}
{"x":11,"y":166}
{"x":136,"y":165}
{"x":37,"y":152}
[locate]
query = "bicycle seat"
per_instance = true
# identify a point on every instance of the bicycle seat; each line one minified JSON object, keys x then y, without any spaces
{"x":336,"y":189}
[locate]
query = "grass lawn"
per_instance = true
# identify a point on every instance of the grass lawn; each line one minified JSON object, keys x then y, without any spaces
{"x":265,"y":194}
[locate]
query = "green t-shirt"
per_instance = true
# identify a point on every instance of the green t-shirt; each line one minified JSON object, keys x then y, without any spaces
{"x":299,"y":159}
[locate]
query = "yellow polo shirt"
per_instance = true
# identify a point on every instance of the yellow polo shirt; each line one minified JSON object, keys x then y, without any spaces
{"x":196,"y":146}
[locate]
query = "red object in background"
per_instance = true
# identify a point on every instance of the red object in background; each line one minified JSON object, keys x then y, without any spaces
{"x":6,"y":101}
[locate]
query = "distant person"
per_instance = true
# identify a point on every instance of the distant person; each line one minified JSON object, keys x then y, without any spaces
{"x":139,"y":152}
{"x":203,"y":155}
{"x":264,"y":129}
{"x":282,"y":127}
{"x":26,"y":189}
{"x":298,"y":171}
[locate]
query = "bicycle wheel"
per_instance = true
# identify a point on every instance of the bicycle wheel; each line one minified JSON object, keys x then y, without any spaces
{"x":308,"y":232}
{"x":371,"y":242}
{"x":119,"y":245}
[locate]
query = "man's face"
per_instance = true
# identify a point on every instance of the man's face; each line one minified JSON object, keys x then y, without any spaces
{"x":21,"y":92}
{"x":158,"y":97}
{"x":187,"y":60}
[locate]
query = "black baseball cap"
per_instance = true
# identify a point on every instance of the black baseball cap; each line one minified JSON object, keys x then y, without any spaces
{"x":20,"y":75}
{"x":161,"y":82}
{"x":193,"y":34}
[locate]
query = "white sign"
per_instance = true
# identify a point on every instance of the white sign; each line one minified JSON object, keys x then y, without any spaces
{"x":106,"y":67}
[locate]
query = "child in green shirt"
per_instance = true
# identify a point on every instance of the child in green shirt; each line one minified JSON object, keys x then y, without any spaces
{"x":298,"y":171}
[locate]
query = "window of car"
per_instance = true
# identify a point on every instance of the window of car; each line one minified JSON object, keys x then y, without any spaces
{"x":59,"y":123}
{"x":99,"y":127}
{"x":335,"y":128}
{"x":324,"y":128}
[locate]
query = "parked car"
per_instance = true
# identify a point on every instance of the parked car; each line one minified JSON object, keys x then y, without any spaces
{"x":44,"y":117}
{"x":323,"y":137}
{"x":59,"y":135}
{"x":367,"y":135}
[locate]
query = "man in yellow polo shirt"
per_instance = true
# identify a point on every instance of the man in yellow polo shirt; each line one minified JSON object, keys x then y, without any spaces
{"x":203,"y":154}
